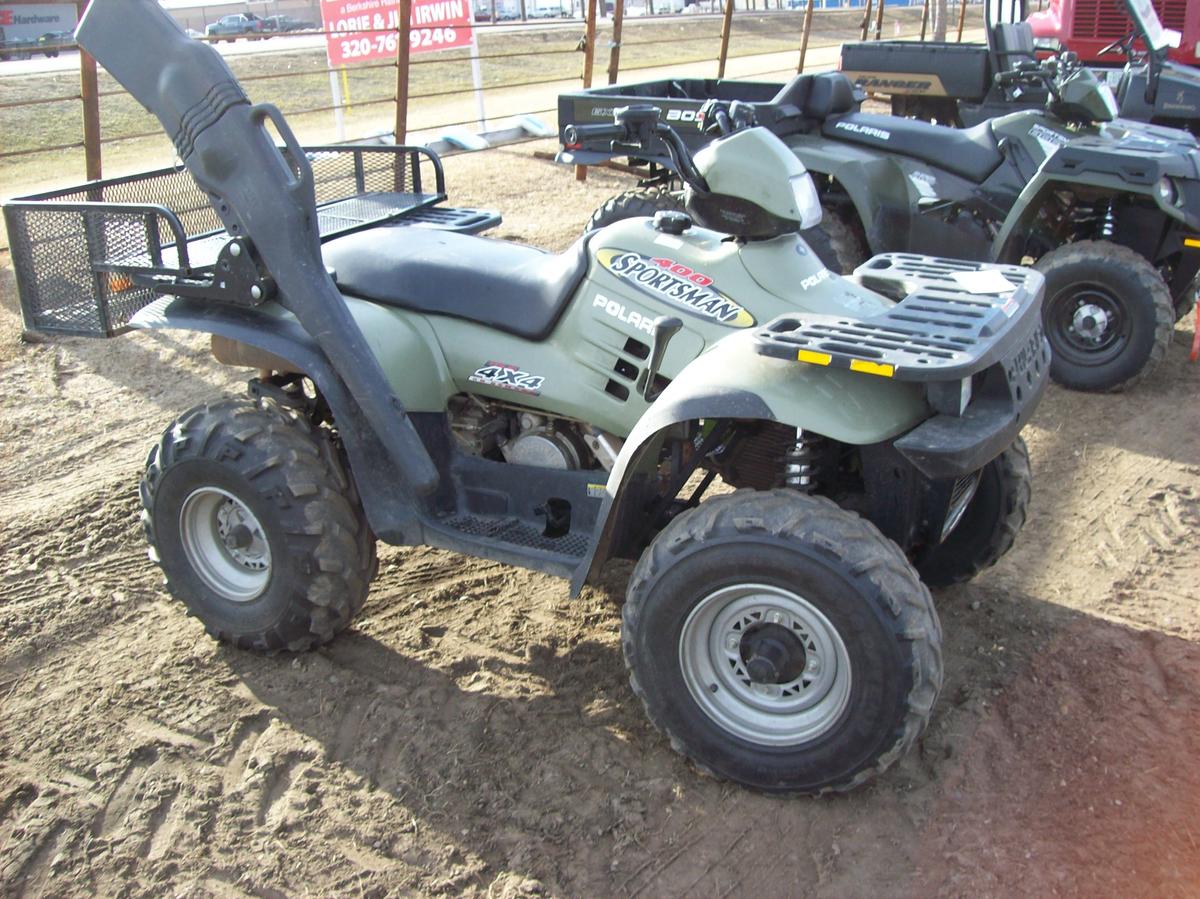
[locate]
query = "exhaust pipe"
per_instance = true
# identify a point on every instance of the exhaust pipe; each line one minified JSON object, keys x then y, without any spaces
{"x":224,"y":142}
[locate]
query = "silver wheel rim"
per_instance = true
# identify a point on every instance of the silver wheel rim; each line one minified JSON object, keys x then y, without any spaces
{"x":800,"y":700}
{"x":225,"y":544}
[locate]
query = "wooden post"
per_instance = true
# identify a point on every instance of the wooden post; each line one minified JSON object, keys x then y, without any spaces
{"x":726,"y":24}
{"x":808,"y":11}
{"x":90,"y":94}
{"x":866,"y":22}
{"x":879,"y":20}
{"x":402,"y":56}
{"x":962,"y":19}
{"x":614,"y":54}
{"x":589,"y":51}
{"x":924,"y":18}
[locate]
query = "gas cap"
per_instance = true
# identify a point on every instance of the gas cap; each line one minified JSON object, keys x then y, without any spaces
{"x":672,"y":222}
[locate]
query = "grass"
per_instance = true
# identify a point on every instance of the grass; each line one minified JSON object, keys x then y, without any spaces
{"x":297,"y":82}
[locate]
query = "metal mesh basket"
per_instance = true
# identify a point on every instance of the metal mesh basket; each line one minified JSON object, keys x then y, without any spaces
{"x":76,"y":250}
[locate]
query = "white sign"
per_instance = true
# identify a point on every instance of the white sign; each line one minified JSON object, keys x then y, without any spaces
{"x":32,"y":20}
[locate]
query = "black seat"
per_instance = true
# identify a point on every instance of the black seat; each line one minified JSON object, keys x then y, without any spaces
{"x":1012,"y":43}
{"x":816,"y":96}
{"x":969,"y":152}
{"x":506,"y":286}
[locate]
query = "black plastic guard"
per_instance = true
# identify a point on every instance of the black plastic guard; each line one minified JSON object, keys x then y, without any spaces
{"x":225,"y":144}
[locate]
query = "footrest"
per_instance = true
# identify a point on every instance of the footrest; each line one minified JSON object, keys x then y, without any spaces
{"x":953,"y":318}
{"x":519,"y":533}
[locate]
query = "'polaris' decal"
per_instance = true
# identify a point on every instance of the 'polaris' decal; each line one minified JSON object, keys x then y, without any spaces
{"x":508,"y":377}
{"x":677,"y":284}
{"x":630,"y":317}
{"x":865,"y":130}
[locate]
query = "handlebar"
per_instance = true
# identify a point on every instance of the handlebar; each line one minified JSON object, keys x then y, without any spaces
{"x":637,"y":128}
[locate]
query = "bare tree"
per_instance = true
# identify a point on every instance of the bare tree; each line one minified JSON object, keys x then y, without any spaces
{"x":940,"y":14}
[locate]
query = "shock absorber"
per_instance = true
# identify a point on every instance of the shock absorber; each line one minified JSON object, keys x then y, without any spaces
{"x":800,"y":467}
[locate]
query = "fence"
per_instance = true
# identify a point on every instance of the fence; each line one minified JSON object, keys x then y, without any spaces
{"x":57,"y":130}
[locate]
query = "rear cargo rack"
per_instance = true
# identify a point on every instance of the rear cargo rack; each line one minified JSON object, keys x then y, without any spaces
{"x":82,"y":254}
{"x":953,"y":318}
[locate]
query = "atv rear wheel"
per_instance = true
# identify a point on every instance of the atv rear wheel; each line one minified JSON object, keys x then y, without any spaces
{"x":989,"y":524}
{"x":833,"y":251}
{"x":256,"y":526}
{"x":782,"y":642}
{"x":1108,"y":315}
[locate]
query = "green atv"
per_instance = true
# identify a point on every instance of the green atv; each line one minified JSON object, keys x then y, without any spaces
{"x":558,"y":411}
{"x":1109,"y":210}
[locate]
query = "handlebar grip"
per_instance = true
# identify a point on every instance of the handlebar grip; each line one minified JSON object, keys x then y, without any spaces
{"x":577,"y":134}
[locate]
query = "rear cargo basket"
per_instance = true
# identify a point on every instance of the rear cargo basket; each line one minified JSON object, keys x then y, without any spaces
{"x":74,"y":250}
{"x":939,"y":331}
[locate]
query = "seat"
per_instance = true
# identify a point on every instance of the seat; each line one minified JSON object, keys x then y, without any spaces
{"x":832,"y":93}
{"x":1012,"y":43}
{"x":816,"y":96}
{"x":512,"y":288}
{"x":971,"y":153}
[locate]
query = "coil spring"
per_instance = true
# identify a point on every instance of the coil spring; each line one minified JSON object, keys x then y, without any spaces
{"x":800,"y":463}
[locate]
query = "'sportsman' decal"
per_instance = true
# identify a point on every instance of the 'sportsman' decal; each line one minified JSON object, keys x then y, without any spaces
{"x":677,"y":284}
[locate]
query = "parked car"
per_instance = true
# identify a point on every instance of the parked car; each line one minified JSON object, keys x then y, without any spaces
{"x":233,"y":26}
{"x":281,"y":24}
{"x":52,"y":42}
{"x":16,"y":47}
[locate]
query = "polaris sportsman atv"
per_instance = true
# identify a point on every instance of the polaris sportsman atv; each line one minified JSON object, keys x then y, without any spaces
{"x":1109,"y":210}
{"x":556,"y":411}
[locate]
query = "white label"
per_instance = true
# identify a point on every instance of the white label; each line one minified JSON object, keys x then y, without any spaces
{"x":987,"y":280}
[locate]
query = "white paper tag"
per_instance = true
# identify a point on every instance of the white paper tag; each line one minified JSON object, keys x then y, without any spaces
{"x":987,"y":280}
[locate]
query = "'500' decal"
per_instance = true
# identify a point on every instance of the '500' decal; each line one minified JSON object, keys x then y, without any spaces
{"x":677,"y":284}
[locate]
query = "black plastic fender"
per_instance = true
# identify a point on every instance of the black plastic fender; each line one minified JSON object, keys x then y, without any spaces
{"x":639,"y":457}
{"x":389,"y":506}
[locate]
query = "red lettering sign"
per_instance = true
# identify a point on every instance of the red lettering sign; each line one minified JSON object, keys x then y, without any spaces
{"x":366,"y":30}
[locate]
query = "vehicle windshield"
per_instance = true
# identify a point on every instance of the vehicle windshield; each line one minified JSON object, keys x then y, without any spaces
{"x":1146,"y":19}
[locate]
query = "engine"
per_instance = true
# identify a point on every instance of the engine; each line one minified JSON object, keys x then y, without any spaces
{"x":527,"y":437}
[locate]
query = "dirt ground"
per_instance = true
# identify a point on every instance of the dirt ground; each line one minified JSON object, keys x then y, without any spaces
{"x":474,"y":734}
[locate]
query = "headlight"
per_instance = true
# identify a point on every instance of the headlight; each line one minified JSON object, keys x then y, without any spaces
{"x":1167,"y":191}
{"x":804,"y":193}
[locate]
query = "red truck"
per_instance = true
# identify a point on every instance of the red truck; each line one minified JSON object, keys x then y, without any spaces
{"x":1088,"y":26}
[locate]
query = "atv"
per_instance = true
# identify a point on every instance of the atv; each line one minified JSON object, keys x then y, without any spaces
{"x":558,"y":411}
{"x":1108,"y":210}
{"x":955,"y":83}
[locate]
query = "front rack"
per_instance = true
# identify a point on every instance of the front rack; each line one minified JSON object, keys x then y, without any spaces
{"x":952,"y":319}
{"x":82,"y":254}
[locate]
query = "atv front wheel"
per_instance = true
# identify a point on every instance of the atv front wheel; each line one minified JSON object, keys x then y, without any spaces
{"x":645,"y":201}
{"x":782,"y":642}
{"x":989,"y":524}
{"x":1108,"y":315}
{"x":845,"y":247}
{"x":256,"y":526}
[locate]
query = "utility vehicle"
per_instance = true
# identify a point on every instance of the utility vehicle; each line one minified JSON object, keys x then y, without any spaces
{"x":956,"y":84}
{"x":1109,"y":210}
{"x":557,"y":411}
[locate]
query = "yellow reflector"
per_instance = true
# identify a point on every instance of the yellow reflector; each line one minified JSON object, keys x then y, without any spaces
{"x":813,"y":357}
{"x":118,"y":283}
{"x":872,"y":368}
{"x":1191,"y":242}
